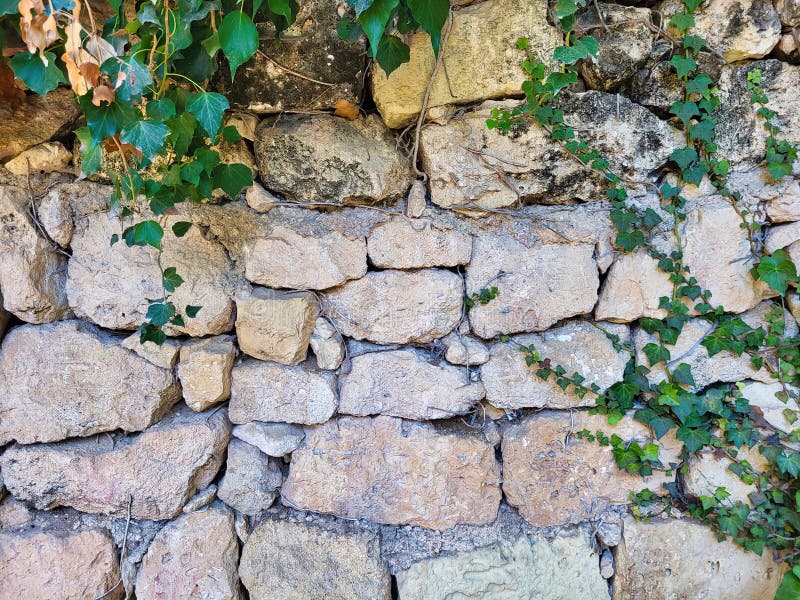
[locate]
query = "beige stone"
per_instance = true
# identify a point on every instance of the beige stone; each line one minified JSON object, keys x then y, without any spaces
{"x":553,"y":478}
{"x":201,"y":499}
{"x":251,"y":479}
{"x":397,"y":307}
{"x":68,"y":565}
{"x":194,"y":557}
{"x":297,"y":561}
{"x":265,"y":391}
{"x":205,"y":371}
{"x":276,"y":325}
{"x":164,"y":356}
{"x":109,"y":285}
{"x":739,"y":29}
{"x":15,"y":514}
{"x":787,"y":50}
{"x":259,"y":199}
{"x":425,"y":477}
{"x":327,"y":345}
{"x":403,"y":383}
{"x":564,"y":568}
{"x":781,"y":236}
{"x":707,"y":472}
{"x":789,"y":12}
{"x":273,"y":439}
{"x":683,"y":559}
{"x":785,"y":206}
{"x":44,"y":158}
{"x":35,"y":120}
{"x":465,"y":350}
{"x":69,"y":379}
{"x":416,"y":244}
{"x":157,"y":471}
{"x":780,"y":199}
{"x":538,"y":284}
{"x":471,"y":167}
{"x":580,"y":347}
{"x":54,"y":211}
{"x":632,"y":289}
{"x":481,"y":58}
{"x":773,"y":409}
{"x":415,"y":202}
{"x":32,"y":272}
{"x":322,"y":158}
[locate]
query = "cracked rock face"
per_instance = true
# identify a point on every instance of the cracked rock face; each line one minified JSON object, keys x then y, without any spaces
{"x":71,"y":379}
{"x":251,"y":479}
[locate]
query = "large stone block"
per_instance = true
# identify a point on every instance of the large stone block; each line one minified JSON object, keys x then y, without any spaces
{"x":35,"y":120}
{"x":416,"y":244}
{"x":394,"y":472}
{"x":154,"y":472}
{"x":70,"y":379}
{"x":205,"y":371}
{"x":251,"y":479}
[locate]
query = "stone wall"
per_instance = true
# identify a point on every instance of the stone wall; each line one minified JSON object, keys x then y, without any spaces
{"x":334,"y":423}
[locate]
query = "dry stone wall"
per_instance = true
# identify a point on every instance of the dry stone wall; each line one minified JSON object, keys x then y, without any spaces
{"x":335,"y":423}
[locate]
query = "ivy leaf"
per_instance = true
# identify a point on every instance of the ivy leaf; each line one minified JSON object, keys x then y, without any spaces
{"x":392,"y":52}
{"x":651,"y":218}
{"x":789,"y":589}
{"x":628,"y":240}
{"x":655,"y":353}
{"x":181,"y":132}
{"x":91,"y":151}
{"x":581,"y":48}
{"x":683,"y":157}
{"x":789,"y":464}
{"x":146,"y":233}
{"x":683,"y":374}
{"x":161,"y":110}
{"x":693,"y":439}
{"x":232,"y":178}
{"x":107,"y":120}
{"x":40,"y":78}
{"x":147,"y":136}
{"x":373,"y":20}
{"x":238,"y":38}
{"x":151,"y":333}
{"x":661,"y":425}
{"x":159,"y":313}
{"x":779,"y":170}
{"x":8,"y":7}
{"x":565,"y":8}
{"x":181,"y":227}
{"x":349,"y":30}
{"x":557,"y":81}
{"x":208,"y":108}
{"x":683,"y":22}
{"x":777,"y":270}
{"x":135,"y":77}
{"x":685,"y":110}
{"x":191,"y":311}
{"x":682,"y":65}
{"x":699,"y":84}
{"x":171,"y":279}
{"x":431,"y":15}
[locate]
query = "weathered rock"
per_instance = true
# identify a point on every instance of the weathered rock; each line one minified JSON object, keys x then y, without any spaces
{"x":164,"y":356}
{"x":156,"y":471}
{"x":632,"y":289}
{"x":472,"y":167}
{"x":44,"y":158}
{"x":788,"y":11}
{"x":415,"y":244}
{"x":607,"y":564}
{"x":251,"y":479}
{"x":554,"y":478}
{"x":397,"y":307}
{"x":54,"y":211}
{"x":310,"y":68}
{"x":683,"y":559}
{"x":259,"y":199}
{"x":773,"y":409}
{"x":205,"y":371}
{"x":296,"y":561}
{"x":625,"y":44}
{"x":740,"y":134}
{"x":15,"y":514}
{"x":327,"y":345}
{"x":564,"y":568}
{"x":276,"y":325}
{"x":780,"y":199}
{"x":580,"y":347}
{"x":481,"y":57}
{"x":403,"y":383}
{"x":264,"y":391}
{"x":201,"y":499}
{"x":109,"y":285}
{"x":273,"y":439}
{"x":195,"y":556}
{"x":32,"y":272}
{"x":425,"y":477}
{"x":788,"y":49}
{"x":707,"y":472}
{"x":415,"y":202}
{"x":70,"y":379}
{"x":538,"y":284}
{"x":322,"y":158}
{"x":739,"y":29}
{"x":68,"y":565}
{"x":781,"y":236}
{"x":465,"y":350}
{"x":36,"y":120}
{"x":5,"y":317}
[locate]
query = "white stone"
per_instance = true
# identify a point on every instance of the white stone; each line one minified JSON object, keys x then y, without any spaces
{"x":205,"y":371}
{"x":416,"y":244}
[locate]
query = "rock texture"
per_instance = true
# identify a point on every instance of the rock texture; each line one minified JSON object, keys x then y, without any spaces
{"x":35,"y":120}
{"x":70,"y":379}
{"x":322,"y":158}
{"x":205,"y":371}
{"x":683,"y":559}
{"x":294,"y":561}
{"x":425,"y":477}
{"x":580,"y":347}
{"x":273,"y":439}
{"x":538,"y":284}
{"x":327,"y":344}
{"x":416,"y":244}
{"x":154,"y":472}
{"x":251,"y":479}
{"x":482,"y":61}
{"x":43,"y":158}
{"x":403,"y":383}
{"x":554,"y":478}
{"x":263,"y":391}
{"x":395,"y":307}
{"x":193,"y":557}
{"x":69,"y":565}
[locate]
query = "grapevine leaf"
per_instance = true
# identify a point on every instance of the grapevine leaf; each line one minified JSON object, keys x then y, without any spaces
{"x":238,"y":38}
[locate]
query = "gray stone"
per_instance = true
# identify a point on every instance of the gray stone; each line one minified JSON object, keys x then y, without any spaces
{"x":251,"y":479}
{"x":35,"y":120}
{"x":273,"y":439}
{"x":416,"y":244}
{"x":327,"y":344}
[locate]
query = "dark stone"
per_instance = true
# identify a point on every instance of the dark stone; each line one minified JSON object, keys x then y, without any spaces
{"x":35,"y":120}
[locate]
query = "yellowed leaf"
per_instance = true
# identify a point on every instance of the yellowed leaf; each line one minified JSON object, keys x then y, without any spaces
{"x":102,"y":93}
{"x":345,"y":109}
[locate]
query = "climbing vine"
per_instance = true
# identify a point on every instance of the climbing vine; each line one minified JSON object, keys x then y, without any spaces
{"x":717,"y":417}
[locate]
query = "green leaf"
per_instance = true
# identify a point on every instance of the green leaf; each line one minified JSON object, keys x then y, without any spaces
{"x":349,"y":30}
{"x":148,"y":137}
{"x":181,"y":227}
{"x":159,"y":313}
{"x":135,"y":77}
{"x":684,"y":110}
{"x":146,"y":233}
{"x":238,"y":38}
{"x":151,"y":333}
{"x":683,"y":374}
{"x":651,"y":218}
{"x":693,"y":439}
{"x":655,"y":353}
{"x":171,"y":279}
{"x":40,"y":78}
{"x":91,"y":152}
{"x":191,"y":311}
{"x":181,"y":132}
{"x":373,"y":21}
{"x":209,"y":108}
{"x":789,"y":589}
{"x":107,"y":120}
{"x":777,"y":270}
{"x":282,"y":8}
{"x":581,"y":48}
{"x":557,"y":81}
{"x":789,"y":464}
{"x":683,"y":157}
{"x":230,"y":134}
{"x":565,"y":8}
{"x":682,"y":65}
{"x":161,"y":110}
{"x":392,"y":52}
{"x":431,"y":15}
{"x":8,"y":7}
{"x":683,"y":22}
{"x":232,"y":178}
